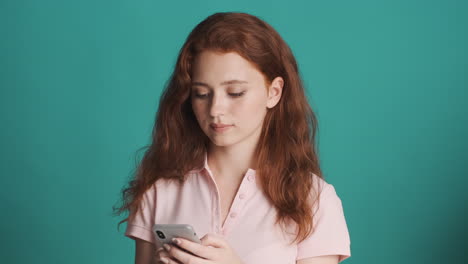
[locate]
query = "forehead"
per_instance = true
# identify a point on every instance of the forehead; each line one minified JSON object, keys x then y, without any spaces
{"x":216,"y":67}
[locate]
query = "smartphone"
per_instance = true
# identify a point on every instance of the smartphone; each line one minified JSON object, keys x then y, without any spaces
{"x":165,"y":232}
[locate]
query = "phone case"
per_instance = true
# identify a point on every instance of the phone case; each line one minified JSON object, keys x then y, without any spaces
{"x":165,"y":232}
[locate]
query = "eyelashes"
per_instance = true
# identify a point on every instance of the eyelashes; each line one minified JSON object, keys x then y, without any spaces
{"x":206,"y":95}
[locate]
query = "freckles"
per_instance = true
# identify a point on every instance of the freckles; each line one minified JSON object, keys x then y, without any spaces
{"x":237,"y":108}
{"x":251,"y":108}
{"x":241,"y":108}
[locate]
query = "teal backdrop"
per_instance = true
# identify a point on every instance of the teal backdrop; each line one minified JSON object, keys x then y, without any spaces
{"x":81,"y":80}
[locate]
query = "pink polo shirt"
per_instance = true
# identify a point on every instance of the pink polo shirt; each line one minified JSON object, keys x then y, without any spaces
{"x":250,"y":225}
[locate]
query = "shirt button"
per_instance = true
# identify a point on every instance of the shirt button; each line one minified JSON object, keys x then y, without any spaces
{"x":241,"y":196}
{"x":250,"y":177}
{"x":233,"y":215}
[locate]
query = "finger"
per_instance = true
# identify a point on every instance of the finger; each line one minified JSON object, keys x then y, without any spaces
{"x":197,"y":249}
{"x":214,"y":240}
{"x":168,"y":261}
{"x":159,"y":250}
{"x":158,"y":254}
{"x":163,"y":253}
{"x":162,"y":261}
{"x":164,"y":257}
{"x":181,"y":255}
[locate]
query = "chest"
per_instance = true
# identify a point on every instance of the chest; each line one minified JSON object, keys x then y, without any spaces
{"x":227,"y":195}
{"x":242,"y":216}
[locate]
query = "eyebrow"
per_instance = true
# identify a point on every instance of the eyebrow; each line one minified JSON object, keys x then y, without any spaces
{"x":223,"y":83}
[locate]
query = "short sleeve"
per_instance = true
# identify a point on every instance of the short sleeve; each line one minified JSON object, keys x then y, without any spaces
{"x":330,"y":236}
{"x":142,"y":224}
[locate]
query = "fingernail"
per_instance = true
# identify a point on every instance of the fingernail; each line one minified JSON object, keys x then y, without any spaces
{"x":165,"y":260}
{"x":175,"y":240}
{"x":160,"y":249}
{"x":167,"y":247}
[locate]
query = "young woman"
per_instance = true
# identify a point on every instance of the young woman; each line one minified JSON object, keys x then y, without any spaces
{"x":233,"y":155}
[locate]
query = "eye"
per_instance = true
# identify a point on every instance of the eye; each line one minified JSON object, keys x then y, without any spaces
{"x":237,"y":94}
{"x":201,"y":95}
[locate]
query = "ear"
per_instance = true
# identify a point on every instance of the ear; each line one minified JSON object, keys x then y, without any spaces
{"x":274,"y":92}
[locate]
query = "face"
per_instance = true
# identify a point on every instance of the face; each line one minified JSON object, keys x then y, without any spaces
{"x":230,"y":98}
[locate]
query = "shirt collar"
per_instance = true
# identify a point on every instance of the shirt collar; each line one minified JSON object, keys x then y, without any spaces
{"x":250,"y":171}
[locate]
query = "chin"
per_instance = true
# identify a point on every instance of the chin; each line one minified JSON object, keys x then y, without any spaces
{"x":222,"y":142}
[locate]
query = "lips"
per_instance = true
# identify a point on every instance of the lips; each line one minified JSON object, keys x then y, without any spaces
{"x":219,"y":125}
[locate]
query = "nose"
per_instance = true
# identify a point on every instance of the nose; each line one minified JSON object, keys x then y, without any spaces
{"x":217,"y":106}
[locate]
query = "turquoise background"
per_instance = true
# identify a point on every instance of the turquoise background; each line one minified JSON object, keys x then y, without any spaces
{"x":80,"y":82}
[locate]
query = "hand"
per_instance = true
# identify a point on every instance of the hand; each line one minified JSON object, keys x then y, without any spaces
{"x":213,"y":249}
{"x":161,"y":253}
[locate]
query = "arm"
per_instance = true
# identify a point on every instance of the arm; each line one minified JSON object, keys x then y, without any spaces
{"x":331,"y":259}
{"x":144,"y":252}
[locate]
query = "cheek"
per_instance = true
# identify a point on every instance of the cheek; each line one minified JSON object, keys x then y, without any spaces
{"x":250,"y":110}
{"x":197,"y":110}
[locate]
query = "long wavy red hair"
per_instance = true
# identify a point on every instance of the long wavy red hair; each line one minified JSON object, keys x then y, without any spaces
{"x":285,"y":154}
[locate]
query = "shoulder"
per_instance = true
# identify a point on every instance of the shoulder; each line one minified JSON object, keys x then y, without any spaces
{"x":320,"y":186}
{"x":330,"y":235}
{"x":323,"y":194}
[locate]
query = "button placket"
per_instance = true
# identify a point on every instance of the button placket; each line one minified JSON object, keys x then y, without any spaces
{"x":216,"y":204}
{"x":233,"y":215}
{"x":239,"y":202}
{"x":216,"y":217}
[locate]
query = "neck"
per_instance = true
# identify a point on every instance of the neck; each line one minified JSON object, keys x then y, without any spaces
{"x":230,"y":162}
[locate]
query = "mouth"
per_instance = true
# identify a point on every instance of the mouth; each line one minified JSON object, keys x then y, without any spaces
{"x":220,"y":127}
